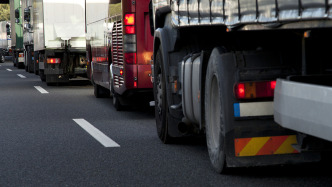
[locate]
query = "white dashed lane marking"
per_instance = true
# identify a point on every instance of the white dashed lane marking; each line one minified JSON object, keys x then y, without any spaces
{"x":41,"y":90}
{"x":97,"y":134}
{"x":22,"y":76}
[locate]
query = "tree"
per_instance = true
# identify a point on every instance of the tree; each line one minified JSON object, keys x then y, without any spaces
{"x":4,"y":12}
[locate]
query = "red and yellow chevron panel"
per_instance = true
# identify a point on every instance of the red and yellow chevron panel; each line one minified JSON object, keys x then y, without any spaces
{"x":265,"y":145}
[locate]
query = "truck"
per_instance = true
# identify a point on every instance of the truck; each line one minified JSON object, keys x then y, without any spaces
{"x":119,"y":50}
{"x":16,"y":33}
{"x":27,"y":19}
{"x":3,"y":41}
{"x":249,"y":75}
{"x":59,"y":39}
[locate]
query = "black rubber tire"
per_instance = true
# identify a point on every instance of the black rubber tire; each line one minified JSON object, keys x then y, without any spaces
{"x":159,"y":92}
{"x":218,"y":98}
{"x":99,"y":91}
{"x":116,"y":102}
{"x":2,"y":58}
{"x":42,"y":75}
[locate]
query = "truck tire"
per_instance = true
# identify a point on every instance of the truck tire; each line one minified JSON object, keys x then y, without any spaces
{"x":42,"y":75}
{"x":100,"y":91}
{"x":159,"y":91}
{"x":217,"y":115}
{"x":116,"y":102}
{"x":2,"y":58}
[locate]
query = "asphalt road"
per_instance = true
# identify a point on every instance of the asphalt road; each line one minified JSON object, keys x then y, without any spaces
{"x":64,"y":136}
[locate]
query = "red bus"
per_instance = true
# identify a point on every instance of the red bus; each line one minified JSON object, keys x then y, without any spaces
{"x":119,"y":50}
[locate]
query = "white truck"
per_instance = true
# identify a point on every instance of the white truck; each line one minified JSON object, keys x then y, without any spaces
{"x":59,"y":39}
{"x":27,"y":22}
{"x":230,"y":69}
{"x":3,"y":40}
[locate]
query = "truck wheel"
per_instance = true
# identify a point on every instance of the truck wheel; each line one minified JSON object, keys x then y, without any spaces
{"x":159,"y":91}
{"x":42,"y":75}
{"x":2,"y":58}
{"x":116,"y":102}
{"x":100,"y":91}
{"x":217,"y":116}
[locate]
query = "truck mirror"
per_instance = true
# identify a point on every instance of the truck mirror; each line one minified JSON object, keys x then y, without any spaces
{"x":17,"y":13}
{"x":27,"y":14}
{"x":8,"y":29}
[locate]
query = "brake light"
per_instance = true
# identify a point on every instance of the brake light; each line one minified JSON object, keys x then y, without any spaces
{"x":129,"y":22}
{"x":252,"y":90}
{"x":135,"y":84}
{"x":121,"y":72}
{"x":130,"y":30}
{"x":129,"y":19}
{"x":99,"y":59}
{"x":130,"y":58}
{"x":53,"y":60}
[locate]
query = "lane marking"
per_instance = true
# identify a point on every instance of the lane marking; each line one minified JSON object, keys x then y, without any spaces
{"x":9,"y":70}
{"x":22,"y":76}
{"x":97,"y":134}
{"x":41,"y":90}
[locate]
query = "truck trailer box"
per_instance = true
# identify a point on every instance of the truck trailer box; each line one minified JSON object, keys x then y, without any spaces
{"x":58,"y":21}
{"x":59,"y":39}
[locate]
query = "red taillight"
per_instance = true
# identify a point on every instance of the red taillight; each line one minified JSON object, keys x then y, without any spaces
{"x":251,"y":90}
{"x":53,"y":60}
{"x":129,"y":22}
{"x":129,"y":19}
{"x":99,"y":59}
{"x":130,"y":30}
{"x":240,"y":93}
{"x":121,"y":72}
{"x":273,"y":84}
{"x":130,"y":58}
{"x":135,"y":84}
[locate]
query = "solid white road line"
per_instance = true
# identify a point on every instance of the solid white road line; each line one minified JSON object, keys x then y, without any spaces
{"x":9,"y":70}
{"x":41,"y":90}
{"x":97,"y":134}
{"x":22,"y":76}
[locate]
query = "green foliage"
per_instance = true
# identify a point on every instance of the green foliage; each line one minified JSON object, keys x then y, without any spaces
{"x":4,"y":12}
{"x":114,"y":9}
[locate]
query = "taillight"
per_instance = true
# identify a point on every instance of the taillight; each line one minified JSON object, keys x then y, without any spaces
{"x":121,"y":72}
{"x":129,"y":22}
{"x":21,"y":55}
{"x":252,"y":90}
{"x":130,"y":58}
{"x":129,"y":19}
{"x":130,"y":30}
{"x":53,"y":60}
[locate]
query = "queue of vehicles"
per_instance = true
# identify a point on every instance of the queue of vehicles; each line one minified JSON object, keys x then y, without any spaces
{"x":253,"y":76}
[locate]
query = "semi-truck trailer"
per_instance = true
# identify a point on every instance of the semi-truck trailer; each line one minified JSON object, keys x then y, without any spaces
{"x":16,"y":33}
{"x":119,"y":50}
{"x":59,"y":39}
{"x":215,"y":66}
{"x":3,"y":40}
{"x":27,"y":20}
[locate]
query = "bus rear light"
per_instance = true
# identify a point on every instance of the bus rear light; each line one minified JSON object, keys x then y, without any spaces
{"x":135,"y":84}
{"x":130,"y":30}
{"x":130,"y":58}
{"x":121,"y":72}
{"x":129,"y":19}
{"x":53,"y":60}
{"x":252,"y":90}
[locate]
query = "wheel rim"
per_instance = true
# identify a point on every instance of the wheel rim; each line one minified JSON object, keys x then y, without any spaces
{"x":215,"y":113}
